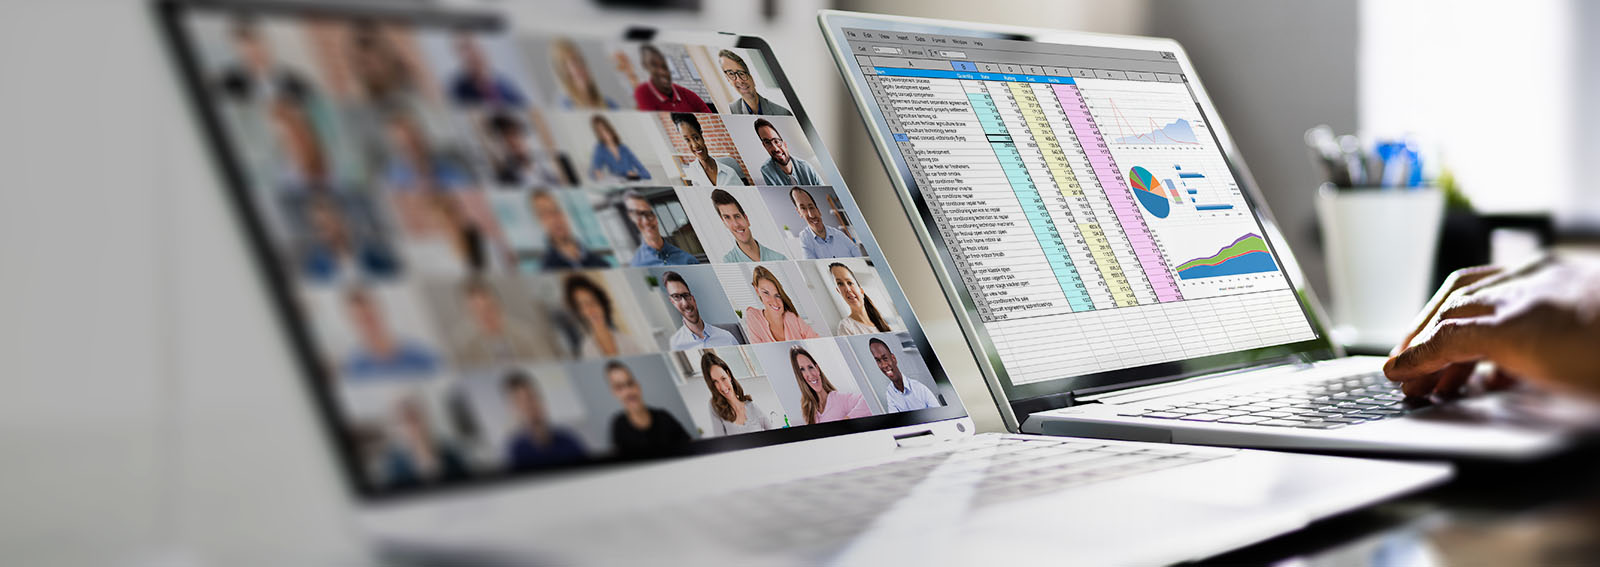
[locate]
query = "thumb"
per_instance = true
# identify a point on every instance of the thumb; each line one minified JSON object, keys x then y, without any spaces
{"x":1452,"y":341}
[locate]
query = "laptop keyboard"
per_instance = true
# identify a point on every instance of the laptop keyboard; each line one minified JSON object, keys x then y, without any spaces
{"x":1330,"y":404}
{"x":815,"y":511}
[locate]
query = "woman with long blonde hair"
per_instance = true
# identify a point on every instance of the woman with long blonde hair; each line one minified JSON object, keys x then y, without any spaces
{"x":578,"y":87}
{"x":776,"y":319}
{"x":819,"y":399}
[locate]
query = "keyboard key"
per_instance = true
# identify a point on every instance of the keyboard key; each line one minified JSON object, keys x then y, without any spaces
{"x":1204,"y":417}
{"x":1162,"y":415}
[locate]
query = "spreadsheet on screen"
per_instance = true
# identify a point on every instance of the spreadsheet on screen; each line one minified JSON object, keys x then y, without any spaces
{"x":1083,"y":199}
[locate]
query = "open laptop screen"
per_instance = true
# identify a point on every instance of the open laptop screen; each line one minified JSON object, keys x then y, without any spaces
{"x":501,"y":255}
{"x":1081,"y":198}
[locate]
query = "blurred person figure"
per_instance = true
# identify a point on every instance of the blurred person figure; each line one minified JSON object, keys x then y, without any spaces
{"x":256,"y":75}
{"x":654,"y":250}
{"x":565,"y":250}
{"x":380,"y":354}
{"x":462,"y":246}
{"x":594,"y":310}
{"x":613,"y":160}
{"x":776,"y":320}
{"x":746,"y":248}
{"x":658,"y":93}
{"x":1537,"y":323}
{"x":732,"y":411}
{"x":750,"y":102}
{"x":412,"y":164}
{"x":864,"y":317}
{"x":819,"y":399}
{"x":304,"y":160}
{"x":904,"y":394}
{"x":418,"y":456}
{"x":477,"y":83}
{"x":695,"y":332}
{"x":333,"y":252}
{"x":536,"y":443}
{"x":819,"y":240}
{"x":705,"y":170}
{"x":511,"y":160}
{"x":578,"y":87}
{"x":782,"y":168}
{"x":378,"y":66}
{"x":489,"y":336}
{"x":640,"y":431}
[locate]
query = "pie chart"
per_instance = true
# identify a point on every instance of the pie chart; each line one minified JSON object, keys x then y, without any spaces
{"x":1152,"y":196}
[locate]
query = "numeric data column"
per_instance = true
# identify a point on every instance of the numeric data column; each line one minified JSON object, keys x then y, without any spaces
{"x":1014,"y":144}
{"x":1158,"y":281}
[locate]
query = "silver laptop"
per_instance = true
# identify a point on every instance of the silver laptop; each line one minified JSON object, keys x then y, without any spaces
{"x":607,"y":300}
{"x":1111,"y":258}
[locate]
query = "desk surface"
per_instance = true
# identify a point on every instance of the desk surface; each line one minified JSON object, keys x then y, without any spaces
{"x":1545,"y":513}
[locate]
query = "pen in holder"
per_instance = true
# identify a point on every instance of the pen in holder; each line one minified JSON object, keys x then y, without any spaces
{"x":1380,"y":245}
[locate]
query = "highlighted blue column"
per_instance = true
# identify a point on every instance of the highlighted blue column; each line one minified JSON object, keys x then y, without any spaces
{"x":1033,"y":205}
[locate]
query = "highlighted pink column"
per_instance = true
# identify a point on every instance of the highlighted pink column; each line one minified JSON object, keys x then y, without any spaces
{"x":1105,"y":170}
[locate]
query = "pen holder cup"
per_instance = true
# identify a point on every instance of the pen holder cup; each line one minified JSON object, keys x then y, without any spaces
{"x":1380,"y":245}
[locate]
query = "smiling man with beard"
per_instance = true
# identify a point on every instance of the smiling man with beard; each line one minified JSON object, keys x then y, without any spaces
{"x":781,"y":167}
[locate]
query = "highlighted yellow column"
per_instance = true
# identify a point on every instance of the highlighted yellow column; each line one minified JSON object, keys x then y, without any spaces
{"x":1055,"y":159}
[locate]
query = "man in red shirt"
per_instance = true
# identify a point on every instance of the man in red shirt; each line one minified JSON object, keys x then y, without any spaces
{"x":659,"y":93}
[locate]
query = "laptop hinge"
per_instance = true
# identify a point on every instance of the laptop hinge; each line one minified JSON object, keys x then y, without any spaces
{"x":1030,"y":406}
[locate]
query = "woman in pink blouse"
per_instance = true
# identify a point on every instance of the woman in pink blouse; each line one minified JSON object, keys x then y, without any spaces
{"x":777,"y":320}
{"x":819,"y":400}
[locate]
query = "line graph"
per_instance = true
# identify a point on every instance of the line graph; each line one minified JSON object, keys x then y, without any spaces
{"x":1175,"y":132}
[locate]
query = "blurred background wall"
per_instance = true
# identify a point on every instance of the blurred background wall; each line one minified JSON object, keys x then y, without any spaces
{"x":146,"y":388}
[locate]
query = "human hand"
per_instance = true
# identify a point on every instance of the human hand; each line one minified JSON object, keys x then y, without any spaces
{"x":1539,"y":322}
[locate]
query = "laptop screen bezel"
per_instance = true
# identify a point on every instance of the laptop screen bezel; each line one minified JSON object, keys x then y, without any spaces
{"x":172,"y":16}
{"x":1022,"y":399}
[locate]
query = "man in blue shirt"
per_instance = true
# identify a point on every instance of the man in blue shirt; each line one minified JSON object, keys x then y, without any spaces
{"x":782,"y":168}
{"x":476,"y":83}
{"x":381,"y":354}
{"x":536,"y":443}
{"x":820,"y":240}
{"x":695,"y":332}
{"x":746,"y":247}
{"x":903,"y":394}
{"x":654,"y":250}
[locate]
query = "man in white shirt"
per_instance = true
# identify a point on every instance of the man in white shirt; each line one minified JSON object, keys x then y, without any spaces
{"x":695,"y":332}
{"x":903,"y":394}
